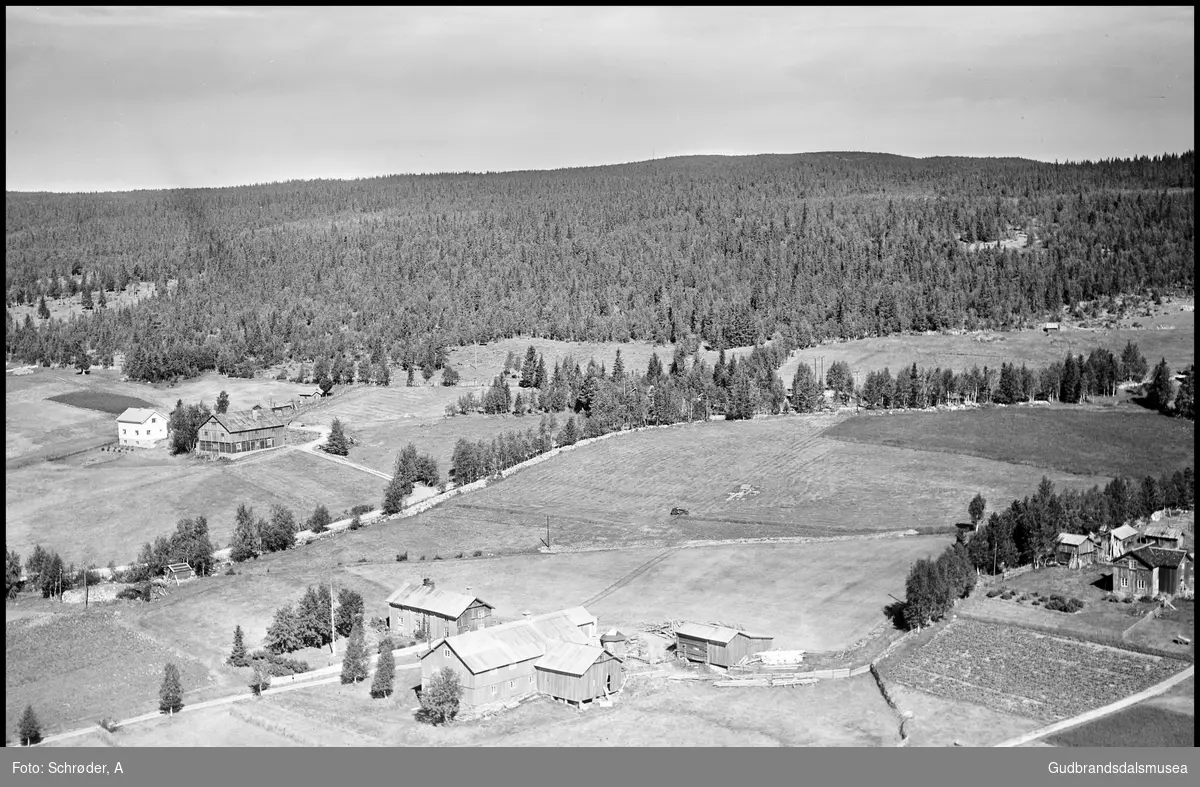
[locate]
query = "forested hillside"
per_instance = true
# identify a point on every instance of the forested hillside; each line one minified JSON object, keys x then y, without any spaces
{"x":731,"y":249}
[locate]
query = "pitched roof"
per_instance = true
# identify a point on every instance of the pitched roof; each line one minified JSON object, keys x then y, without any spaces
{"x":427,"y":598}
{"x":612,"y":635}
{"x":570,"y":658}
{"x":1072,"y":539}
{"x":577,"y":615}
{"x":719,"y":634}
{"x":1124,"y":531}
{"x":1161,"y":531}
{"x":511,"y":643}
{"x":138,"y":415}
{"x":246,"y":420}
{"x":1154,"y":557}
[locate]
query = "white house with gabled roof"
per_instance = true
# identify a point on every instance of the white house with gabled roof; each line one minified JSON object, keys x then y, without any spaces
{"x":141,"y":427}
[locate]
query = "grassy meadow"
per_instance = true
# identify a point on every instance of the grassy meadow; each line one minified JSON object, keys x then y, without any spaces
{"x":1131,"y":442}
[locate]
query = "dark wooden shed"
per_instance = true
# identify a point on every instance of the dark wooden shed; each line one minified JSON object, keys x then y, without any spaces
{"x":718,"y":645}
{"x":578,"y":673}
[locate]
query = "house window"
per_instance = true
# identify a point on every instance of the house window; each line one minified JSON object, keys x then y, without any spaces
{"x":493,"y":688}
{"x":1141,"y":584}
{"x":153,"y":420}
{"x":136,"y":432}
{"x":531,"y":679}
{"x":123,"y":431}
{"x":512,"y":684}
{"x":446,"y":652}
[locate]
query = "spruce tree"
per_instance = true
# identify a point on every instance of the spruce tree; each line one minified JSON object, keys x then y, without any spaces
{"x":337,"y":444}
{"x":223,"y":402}
{"x":385,"y":671}
{"x":170,"y":694}
{"x":618,"y":370}
{"x":29,"y":729}
{"x":238,"y":656}
{"x":1158,"y":396}
{"x":354,"y":663}
{"x":43,"y":311}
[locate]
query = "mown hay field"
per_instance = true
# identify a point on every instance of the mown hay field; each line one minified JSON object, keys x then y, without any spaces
{"x":103,"y":507}
{"x":1175,"y":342}
{"x":75,"y":668}
{"x":989,"y":664}
{"x":1129,"y":442}
{"x":832,"y":713}
{"x":1140,"y":725}
{"x":763,"y":478}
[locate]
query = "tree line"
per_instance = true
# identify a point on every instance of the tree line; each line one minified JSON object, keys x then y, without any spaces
{"x":374,"y":273}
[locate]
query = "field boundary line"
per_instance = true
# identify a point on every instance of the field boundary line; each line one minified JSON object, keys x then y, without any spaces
{"x":1092,"y":715}
{"x":632,"y":575}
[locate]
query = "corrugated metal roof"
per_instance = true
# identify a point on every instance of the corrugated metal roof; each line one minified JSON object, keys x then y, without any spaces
{"x":512,"y":643}
{"x":719,"y":634}
{"x":1071,"y":538}
{"x":569,"y":658}
{"x":428,"y":598}
{"x":1124,"y":531}
{"x":246,"y":420}
{"x":138,"y":415}
{"x":1162,"y":531}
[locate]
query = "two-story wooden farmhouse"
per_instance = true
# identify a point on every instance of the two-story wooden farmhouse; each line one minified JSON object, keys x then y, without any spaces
{"x":1149,"y":571}
{"x":435,"y":612}
{"x":141,"y":427}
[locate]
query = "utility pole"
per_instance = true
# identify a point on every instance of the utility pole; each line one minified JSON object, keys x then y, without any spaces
{"x":547,"y":532}
{"x":332,"y":628}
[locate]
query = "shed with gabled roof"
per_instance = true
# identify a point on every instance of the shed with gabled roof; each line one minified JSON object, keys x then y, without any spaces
{"x":1074,"y":550}
{"x":718,"y":645}
{"x":578,"y":673}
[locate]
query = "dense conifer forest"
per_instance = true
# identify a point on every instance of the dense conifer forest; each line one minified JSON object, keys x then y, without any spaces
{"x":731,"y":250}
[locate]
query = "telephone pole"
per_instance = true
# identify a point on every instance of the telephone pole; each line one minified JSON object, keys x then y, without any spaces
{"x":332,"y":627}
{"x":547,"y":532}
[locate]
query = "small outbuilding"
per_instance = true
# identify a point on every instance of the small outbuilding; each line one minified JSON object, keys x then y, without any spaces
{"x":578,"y":673}
{"x":614,"y":642}
{"x":179,"y":572}
{"x":1162,"y":536}
{"x":718,"y":645}
{"x":1120,"y":540}
{"x":1074,"y":550}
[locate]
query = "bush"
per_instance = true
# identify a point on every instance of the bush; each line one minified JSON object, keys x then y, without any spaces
{"x":138,"y":592}
{"x":422,"y":557}
{"x":229,"y":572}
{"x":994,"y":593}
{"x":361,"y":509}
{"x":402,"y":557}
{"x":460,"y":555}
{"x":477,"y":553}
{"x":277,"y":666}
{"x":435,"y":557}
{"x":109,"y":723}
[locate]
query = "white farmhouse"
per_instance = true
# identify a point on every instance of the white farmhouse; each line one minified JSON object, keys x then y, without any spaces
{"x":141,"y":426}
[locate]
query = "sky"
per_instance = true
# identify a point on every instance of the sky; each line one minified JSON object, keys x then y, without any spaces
{"x":127,"y":97}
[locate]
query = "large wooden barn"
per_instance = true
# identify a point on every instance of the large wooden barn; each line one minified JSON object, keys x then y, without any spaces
{"x":247,"y":431}
{"x":717,"y":645}
{"x":438,"y":613}
{"x":1149,"y":571}
{"x":498,"y":664}
{"x":578,"y":673}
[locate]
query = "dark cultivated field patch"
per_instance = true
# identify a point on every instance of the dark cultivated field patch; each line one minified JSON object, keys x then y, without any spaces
{"x":1079,"y":441}
{"x":100,"y":400}
{"x":1140,"y":725}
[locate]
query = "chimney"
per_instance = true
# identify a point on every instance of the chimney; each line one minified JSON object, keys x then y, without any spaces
{"x":468,"y":590}
{"x":428,"y":582}
{"x":525,"y":614}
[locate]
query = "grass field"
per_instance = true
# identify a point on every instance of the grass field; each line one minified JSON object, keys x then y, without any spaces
{"x":1163,"y":632}
{"x":1130,"y":442}
{"x":77,"y":668}
{"x":1176,"y":343}
{"x":131,"y":498}
{"x":222,"y":726}
{"x":990,"y":665}
{"x":768,"y":477}
{"x":1139,"y":725}
{"x":103,"y":401}
{"x":938,"y":721}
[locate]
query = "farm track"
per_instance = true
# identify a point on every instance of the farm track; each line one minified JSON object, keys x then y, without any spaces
{"x":632,"y":575}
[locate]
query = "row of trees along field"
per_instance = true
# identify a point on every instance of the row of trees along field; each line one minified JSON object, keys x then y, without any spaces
{"x":731,"y":250}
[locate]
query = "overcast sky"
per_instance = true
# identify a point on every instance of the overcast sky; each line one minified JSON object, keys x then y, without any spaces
{"x":113,"y":98}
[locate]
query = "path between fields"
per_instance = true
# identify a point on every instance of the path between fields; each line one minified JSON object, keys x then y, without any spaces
{"x":319,"y":677}
{"x":1091,"y":715}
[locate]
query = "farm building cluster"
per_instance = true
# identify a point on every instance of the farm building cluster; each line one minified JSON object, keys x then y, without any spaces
{"x":1149,"y":561}
{"x":559,"y":654}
